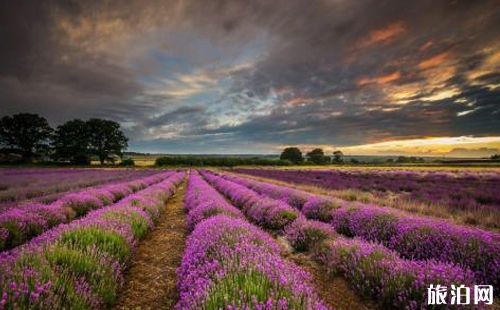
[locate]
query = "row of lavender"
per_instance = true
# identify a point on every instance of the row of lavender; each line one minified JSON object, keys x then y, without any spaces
{"x":80,"y":265}
{"x":44,"y":185}
{"x":19,"y":224}
{"x":372,"y":268}
{"x":462,"y":190}
{"x":413,"y":237}
{"x":230,"y":264}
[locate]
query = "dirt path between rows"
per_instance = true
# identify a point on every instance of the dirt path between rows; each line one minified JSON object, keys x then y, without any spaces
{"x":151,"y":281}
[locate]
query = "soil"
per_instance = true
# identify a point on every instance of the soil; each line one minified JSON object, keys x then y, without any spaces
{"x":151,"y":280}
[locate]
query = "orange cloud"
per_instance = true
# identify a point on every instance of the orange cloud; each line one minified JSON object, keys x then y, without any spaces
{"x":382,"y":79}
{"x":433,"y":61}
{"x":426,"y":45}
{"x":493,"y":60}
{"x":387,"y":33}
{"x":299,"y":100}
{"x":281,"y":90}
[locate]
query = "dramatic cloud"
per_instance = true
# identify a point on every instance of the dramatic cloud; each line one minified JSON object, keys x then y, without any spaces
{"x":252,"y":76}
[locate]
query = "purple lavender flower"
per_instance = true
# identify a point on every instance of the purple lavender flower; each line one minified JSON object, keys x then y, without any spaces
{"x":17,"y":225}
{"x":304,"y":235}
{"x":230,"y":264}
{"x":270,"y":213}
{"x":203,"y":202}
{"x":381,"y":274}
{"x":414,"y":237}
{"x":79,"y":264}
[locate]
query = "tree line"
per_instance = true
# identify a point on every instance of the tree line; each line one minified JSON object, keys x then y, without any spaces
{"x":77,"y":141}
{"x":316,"y":156}
{"x":218,"y":161}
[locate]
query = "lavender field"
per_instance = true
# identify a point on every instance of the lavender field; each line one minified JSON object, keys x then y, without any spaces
{"x":249,"y":155}
{"x":240,"y":243}
{"x":467,"y":196}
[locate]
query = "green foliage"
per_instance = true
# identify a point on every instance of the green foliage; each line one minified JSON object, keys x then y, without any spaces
{"x":292,"y":154}
{"x":77,"y":141}
{"x":71,"y":142}
{"x":19,"y":234}
{"x":140,"y":226}
{"x":313,"y":237}
{"x":317,"y":156}
{"x":129,"y":162}
{"x":411,"y":159}
{"x":105,"y":138}
{"x":25,"y":134}
{"x":495,"y":157}
{"x":106,"y":241}
{"x":42,"y":271}
{"x":338,"y":156}
{"x":217,"y":161}
{"x":245,"y":288}
{"x":85,"y":263}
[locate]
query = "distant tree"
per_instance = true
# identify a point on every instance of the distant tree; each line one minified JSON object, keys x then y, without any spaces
{"x":338,"y":156}
{"x":26,"y":134}
{"x":411,"y":159}
{"x":128,"y":162}
{"x":292,"y":154}
{"x":496,"y":157}
{"x":402,"y":159}
{"x":218,"y":161}
{"x":318,"y":157}
{"x":354,"y":161}
{"x":71,"y":142}
{"x":105,"y":139}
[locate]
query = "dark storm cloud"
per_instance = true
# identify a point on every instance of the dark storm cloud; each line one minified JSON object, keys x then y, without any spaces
{"x":313,"y":41}
{"x":323,"y":71}
{"x":42,"y":71}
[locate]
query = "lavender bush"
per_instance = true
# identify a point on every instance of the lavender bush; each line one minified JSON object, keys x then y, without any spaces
{"x":424,"y":238}
{"x":27,"y":221}
{"x":230,"y":264}
{"x":79,"y":265}
{"x":47,"y":185}
{"x":203,"y":202}
{"x":414,"y":237}
{"x":304,"y":235}
{"x":268,"y":213}
{"x":380,"y":273}
{"x":475,"y":192}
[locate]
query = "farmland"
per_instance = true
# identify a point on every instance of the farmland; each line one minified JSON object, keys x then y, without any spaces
{"x":467,"y":196}
{"x":244,"y":238}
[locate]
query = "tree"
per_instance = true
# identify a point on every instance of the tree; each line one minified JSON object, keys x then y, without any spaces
{"x":292,"y":154}
{"x":402,"y":159}
{"x":71,"y":142}
{"x":105,"y":138}
{"x":26,"y":134}
{"x":318,"y":157}
{"x":338,"y":156}
{"x":495,"y":157}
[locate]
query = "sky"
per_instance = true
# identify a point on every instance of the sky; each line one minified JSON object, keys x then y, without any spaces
{"x":369,"y":77}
